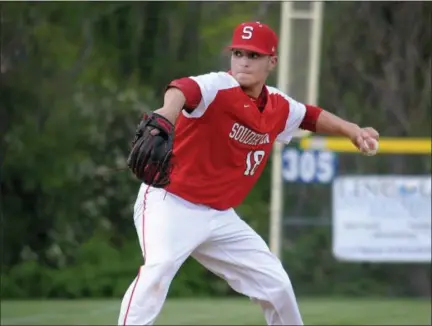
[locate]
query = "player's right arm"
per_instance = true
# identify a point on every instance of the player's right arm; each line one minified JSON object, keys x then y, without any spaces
{"x":174,"y":102}
{"x":193,"y":94}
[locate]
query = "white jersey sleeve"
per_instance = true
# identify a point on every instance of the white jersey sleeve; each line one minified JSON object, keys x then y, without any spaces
{"x":210,"y":84}
{"x":296,"y":115}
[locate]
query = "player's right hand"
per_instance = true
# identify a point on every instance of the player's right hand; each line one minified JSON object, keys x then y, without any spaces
{"x":150,"y":157}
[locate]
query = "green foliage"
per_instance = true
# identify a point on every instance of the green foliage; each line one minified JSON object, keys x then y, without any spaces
{"x":99,"y":269}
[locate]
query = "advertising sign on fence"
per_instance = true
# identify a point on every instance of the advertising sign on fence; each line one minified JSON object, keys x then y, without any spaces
{"x":308,"y":166}
{"x":382,"y":218}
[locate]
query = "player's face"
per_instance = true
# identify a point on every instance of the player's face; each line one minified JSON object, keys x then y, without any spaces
{"x":251,"y":68}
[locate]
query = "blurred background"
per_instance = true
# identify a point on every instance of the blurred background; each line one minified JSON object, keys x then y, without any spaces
{"x":75,"y":79}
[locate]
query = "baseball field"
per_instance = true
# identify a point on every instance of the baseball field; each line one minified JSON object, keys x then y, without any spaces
{"x":221,"y":312}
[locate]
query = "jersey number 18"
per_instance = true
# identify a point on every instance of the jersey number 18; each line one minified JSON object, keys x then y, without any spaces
{"x":253,"y":159}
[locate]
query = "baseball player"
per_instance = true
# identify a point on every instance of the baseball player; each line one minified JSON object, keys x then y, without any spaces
{"x":198,"y":156}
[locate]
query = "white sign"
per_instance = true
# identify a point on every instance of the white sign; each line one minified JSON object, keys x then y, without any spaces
{"x":382,"y":218}
{"x":308,"y":166}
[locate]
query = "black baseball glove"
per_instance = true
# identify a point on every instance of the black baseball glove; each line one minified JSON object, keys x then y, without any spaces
{"x":151,"y":154}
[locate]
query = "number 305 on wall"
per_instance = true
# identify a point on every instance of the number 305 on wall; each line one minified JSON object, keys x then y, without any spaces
{"x":308,"y":166}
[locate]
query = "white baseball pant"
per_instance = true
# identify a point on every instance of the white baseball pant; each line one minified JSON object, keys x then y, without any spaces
{"x":170,"y":229}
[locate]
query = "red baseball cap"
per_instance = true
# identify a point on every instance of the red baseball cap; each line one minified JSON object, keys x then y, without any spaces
{"x":256,"y":37}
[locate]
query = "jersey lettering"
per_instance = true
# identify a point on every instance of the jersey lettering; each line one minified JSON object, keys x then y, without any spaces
{"x":248,"y":137}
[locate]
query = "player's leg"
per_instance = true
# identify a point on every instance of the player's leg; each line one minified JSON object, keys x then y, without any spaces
{"x":238,"y":254}
{"x":169,"y":229}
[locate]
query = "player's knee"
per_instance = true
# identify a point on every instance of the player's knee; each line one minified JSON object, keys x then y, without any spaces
{"x":281,"y":288}
{"x":283,"y":293}
{"x":159,"y":275}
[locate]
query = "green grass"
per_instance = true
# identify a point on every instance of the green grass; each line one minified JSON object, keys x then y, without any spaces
{"x":220,"y":312}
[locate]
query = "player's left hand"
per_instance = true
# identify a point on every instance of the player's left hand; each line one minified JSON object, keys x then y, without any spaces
{"x":366,"y":140}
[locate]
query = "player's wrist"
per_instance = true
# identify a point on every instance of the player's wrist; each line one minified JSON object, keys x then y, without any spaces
{"x":168,"y":114}
{"x":350,"y":130}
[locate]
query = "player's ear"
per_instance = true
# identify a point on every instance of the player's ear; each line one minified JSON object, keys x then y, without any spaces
{"x":273,"y":62}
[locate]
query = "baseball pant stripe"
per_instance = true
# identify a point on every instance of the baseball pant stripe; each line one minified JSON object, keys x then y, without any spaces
{"x":144,"y":254}
{"x":132,"y":294}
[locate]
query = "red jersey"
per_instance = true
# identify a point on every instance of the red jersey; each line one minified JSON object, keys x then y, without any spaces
{"x":222,"y":146}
